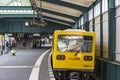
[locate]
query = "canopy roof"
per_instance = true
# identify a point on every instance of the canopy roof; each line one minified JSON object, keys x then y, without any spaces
{"x":66,"y":10}
{"x":15,"y":2}
{"x":60,"y":11}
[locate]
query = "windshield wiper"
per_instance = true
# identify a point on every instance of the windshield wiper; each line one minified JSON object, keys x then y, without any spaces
{"x":77,"y":52}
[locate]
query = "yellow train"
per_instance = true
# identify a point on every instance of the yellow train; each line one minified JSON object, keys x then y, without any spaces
{"x":73,"y":54}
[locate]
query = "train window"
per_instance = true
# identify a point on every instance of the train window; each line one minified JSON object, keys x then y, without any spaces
{"x":74,"y":43}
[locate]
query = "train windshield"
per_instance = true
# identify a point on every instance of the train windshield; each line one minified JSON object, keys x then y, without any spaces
{"x":74,"y":43}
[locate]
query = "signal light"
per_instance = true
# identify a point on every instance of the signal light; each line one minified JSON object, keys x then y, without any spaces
{"x":88,"y":58}
{"x":60,"y":57}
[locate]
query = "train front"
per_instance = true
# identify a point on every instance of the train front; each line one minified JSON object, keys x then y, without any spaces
{"x":73,"y":54}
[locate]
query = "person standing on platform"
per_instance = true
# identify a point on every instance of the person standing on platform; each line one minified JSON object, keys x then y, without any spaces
{"x":7,"y":47}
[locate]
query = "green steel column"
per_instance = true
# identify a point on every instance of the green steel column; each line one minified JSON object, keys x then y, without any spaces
{"x":80,"y":27}
{"x":92,"y":7}
{"x":93,"y":19}
{"x":101,"y":40}
{"x":72,"y":26}
{"x":86,"y":21}
{"x":78,"y":24}
{"x":111,"y":30}
{"x":101,"y":30}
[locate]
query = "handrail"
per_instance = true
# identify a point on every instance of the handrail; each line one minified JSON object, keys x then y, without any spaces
{"x":111,"y":62}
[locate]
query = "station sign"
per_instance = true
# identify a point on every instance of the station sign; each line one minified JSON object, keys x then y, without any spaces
{"x":34,"y":24}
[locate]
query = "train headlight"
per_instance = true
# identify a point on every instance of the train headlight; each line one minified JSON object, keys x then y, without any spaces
{"x":60,"y":57}
{"x":88,"y":58}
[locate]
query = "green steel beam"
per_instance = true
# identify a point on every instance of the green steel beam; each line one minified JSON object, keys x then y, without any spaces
{"x":111,"y":30}
{"x":17,"y":19}
{"x":57,"y":20}
{"x":30,"y":8}
{"x":31,"y":15}
{"x":96,"y":2}
{"x":59,"y":14}
{"x":15,"y":7}
{"x":27,"y":19}
{"x":16,"y":15}
{"x":62,"y":3}
{"x":58,"y":23}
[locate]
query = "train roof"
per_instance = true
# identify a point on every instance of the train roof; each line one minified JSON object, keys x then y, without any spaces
{"x":78,"y":30}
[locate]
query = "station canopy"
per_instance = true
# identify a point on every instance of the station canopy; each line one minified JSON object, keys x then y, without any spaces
{"x":60,"y":11}
{"x":15,"y":3}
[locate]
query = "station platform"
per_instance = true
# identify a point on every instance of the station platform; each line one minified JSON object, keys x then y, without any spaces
{"x":28,"y":64}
